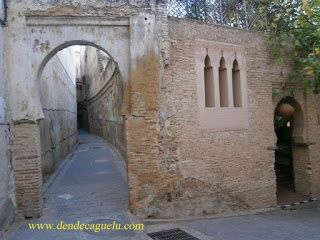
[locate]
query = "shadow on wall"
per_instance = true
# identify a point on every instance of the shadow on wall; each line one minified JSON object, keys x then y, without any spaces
{"x":58,"y":97}
{"x":292,"y":155}
{"x":104,"y":96}
{"x":80,"y":86}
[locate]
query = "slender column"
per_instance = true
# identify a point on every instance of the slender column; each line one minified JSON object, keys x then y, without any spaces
{"x":216,"y":84}
{"x":230,"y":87}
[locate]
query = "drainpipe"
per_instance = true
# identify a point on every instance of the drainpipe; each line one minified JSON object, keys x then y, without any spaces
{"x":3,"y":22}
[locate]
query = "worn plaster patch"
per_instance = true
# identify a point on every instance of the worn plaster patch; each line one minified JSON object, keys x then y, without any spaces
{"x":145,"y":83}
{"x":36,"y":43}
{"x":2,"y":110}
{"x":43,"y":47}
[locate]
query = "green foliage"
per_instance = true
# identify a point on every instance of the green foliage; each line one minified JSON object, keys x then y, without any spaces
{"x":225,"y":12}
{"x":295,"y":25}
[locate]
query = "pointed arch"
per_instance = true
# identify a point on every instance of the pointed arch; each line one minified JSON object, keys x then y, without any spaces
{"x":236,"y":84}
{"x":208,"y":83}
{"x":223,"y":84}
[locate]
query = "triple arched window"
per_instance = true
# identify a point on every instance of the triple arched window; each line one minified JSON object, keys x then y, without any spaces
{"x":221,"y":81}
{"x":223,"y":84}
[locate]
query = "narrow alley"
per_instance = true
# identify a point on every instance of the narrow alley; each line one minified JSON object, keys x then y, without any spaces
{"x":90,"y":187}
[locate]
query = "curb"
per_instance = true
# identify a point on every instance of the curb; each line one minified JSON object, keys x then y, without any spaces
{"x":61,"y":166}
{"x":292,"y":205}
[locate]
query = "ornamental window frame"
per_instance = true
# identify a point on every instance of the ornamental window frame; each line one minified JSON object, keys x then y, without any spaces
{"x":229,"y":110}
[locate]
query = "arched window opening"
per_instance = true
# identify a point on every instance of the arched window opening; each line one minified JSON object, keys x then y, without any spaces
{"x":236,"y":85}
{"x":223,"y":84}
{"x":208,"y":83}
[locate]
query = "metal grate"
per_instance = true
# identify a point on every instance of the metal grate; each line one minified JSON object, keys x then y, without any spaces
{"x":172,"y":234}
{"x":243,"y":14}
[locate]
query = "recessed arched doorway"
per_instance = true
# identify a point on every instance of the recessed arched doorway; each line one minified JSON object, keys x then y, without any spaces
{"x":291,"y":154}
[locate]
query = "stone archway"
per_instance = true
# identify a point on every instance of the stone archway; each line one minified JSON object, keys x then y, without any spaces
{"x":123,"y":40}
{"x":66,"y":45}
{"x":27,"y":151}
{"x":132,"y":43}
{"x":292,"y":156}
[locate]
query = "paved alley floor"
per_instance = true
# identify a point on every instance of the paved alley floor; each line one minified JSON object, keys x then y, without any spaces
{"x":302,"y":224}
{"x":90,"y":188}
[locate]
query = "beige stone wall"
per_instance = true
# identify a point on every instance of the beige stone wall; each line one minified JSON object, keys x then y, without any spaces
{"x":58,"y":99}
{"x":215,"y":172}
{"x":104,"y":103}
{"x":205,"y":171}
{"x":313,"y":110}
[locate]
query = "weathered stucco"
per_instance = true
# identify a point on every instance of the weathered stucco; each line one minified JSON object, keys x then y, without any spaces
{"x":59,"y":105}
{"x":125,"y":33}
{"x":7,"y":196}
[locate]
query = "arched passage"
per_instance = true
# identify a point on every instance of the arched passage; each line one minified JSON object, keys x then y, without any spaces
{"x":122,"y":39}
{"x":56,"y":133}
{"x":79,"y":85}
{"x":291,"y":155}
{"x":66,"y":45}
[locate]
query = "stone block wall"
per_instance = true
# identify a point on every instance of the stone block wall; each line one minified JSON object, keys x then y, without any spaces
{"x":59,"y":104}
